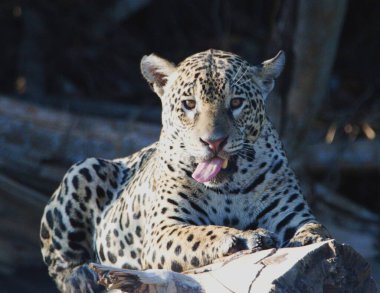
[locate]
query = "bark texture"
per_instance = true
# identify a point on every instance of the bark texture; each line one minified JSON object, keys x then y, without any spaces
{"x":322,"y":267}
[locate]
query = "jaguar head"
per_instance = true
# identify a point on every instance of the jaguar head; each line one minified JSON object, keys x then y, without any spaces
{"x":213,"y":107}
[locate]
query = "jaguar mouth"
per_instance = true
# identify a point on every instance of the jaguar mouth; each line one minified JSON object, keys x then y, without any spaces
{"x":211,"y":169}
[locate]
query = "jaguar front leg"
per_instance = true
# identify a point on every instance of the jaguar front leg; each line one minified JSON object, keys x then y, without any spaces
{"x":308,"y":234}
{"x":181,"y":247}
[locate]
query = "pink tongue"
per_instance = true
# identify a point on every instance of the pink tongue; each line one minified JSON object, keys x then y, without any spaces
{"x":207,"y":170}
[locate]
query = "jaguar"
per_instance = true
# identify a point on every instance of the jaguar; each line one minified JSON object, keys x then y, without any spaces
{"x":216,"y":182}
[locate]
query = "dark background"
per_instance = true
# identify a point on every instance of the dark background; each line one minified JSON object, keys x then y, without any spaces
{"x":70,"y":88}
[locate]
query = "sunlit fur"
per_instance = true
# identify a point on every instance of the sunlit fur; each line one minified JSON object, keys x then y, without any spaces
{"x":146,"y":211}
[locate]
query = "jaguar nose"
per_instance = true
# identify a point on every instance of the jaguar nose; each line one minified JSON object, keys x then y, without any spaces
{"x":215,"y":144}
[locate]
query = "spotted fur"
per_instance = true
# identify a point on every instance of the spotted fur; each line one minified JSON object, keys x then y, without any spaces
{"x":146,"y":211}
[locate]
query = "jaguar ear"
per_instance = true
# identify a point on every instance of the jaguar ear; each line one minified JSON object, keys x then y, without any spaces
{"x":156,"y":71}
{"x":268,"y":71}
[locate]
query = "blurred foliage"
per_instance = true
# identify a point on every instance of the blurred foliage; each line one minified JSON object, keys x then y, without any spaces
{"x":86,"y":54}
{"x":82,"y":57}
{"x":355,"y":83}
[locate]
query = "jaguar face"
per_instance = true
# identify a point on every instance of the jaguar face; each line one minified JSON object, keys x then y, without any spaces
{"x":213,"y":107}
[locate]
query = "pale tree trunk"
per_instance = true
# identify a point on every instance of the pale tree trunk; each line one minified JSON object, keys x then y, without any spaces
{"x":316,"y":37}
{"x":321,"y":267}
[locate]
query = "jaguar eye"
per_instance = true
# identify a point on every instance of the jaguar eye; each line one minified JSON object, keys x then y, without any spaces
{"x":189,"y":104}
{"x":236,"y":103}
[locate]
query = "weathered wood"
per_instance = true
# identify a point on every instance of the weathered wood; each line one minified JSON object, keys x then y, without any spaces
{"x":37,"y":144}
{"x":322,"y":267}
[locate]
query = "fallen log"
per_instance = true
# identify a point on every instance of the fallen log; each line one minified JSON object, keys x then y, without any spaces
{"x":38,"y":144}
{"x":321,"y":267}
